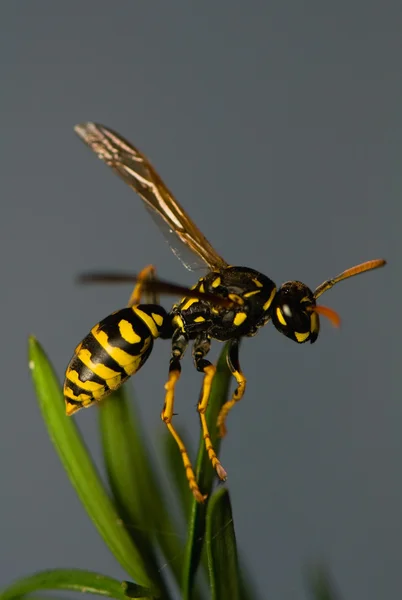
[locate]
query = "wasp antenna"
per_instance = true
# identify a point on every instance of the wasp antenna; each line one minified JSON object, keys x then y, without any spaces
{"x":369,"y":265}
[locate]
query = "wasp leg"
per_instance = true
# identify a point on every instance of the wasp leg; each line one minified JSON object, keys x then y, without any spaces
{"x":179,"y":345}
{"x":234,"y":366}
{"x":201,"y":348}
{"x":145,"y":275}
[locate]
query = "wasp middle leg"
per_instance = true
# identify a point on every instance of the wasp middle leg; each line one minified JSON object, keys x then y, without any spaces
{"x":201,"y":348}
{"x":235,"y":369}
{"x":179,"y":344}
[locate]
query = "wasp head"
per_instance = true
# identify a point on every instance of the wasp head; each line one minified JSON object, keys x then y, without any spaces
{"x":293,"y":312}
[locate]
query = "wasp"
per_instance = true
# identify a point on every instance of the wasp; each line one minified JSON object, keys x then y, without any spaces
{"x":226,"y":304}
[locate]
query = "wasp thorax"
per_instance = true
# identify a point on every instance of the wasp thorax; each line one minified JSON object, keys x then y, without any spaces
{"x":293,"y":314}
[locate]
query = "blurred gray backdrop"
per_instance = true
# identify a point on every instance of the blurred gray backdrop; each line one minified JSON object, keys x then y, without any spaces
{"x":278,"y":127}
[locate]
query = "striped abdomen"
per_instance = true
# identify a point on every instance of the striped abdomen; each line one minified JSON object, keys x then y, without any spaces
{"x":113,"y":350}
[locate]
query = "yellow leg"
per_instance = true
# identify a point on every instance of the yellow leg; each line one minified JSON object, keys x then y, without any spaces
{"x":209,"y":371}
{"x":234,"y":366}
{"x":146,"y":273}
{"x":167,"y":415}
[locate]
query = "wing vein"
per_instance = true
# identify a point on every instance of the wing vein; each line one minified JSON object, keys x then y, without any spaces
{"x":135,"y":169}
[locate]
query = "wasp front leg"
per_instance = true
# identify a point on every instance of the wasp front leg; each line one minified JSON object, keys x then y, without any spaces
{"x":234,"y":366}
{"x":200,"y":350}
{"x":179,"y":345}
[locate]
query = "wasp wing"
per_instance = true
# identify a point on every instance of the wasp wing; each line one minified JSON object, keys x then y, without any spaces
{"x":134,"y":168}
{"x":156,"y":286}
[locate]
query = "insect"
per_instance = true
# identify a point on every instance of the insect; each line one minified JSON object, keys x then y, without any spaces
{"x":226,"y":304}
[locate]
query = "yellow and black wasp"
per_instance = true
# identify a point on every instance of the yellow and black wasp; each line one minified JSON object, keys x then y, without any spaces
{"x":226,"y":304}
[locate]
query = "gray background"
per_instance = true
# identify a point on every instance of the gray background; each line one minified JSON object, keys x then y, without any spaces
{"x":278,"y":126}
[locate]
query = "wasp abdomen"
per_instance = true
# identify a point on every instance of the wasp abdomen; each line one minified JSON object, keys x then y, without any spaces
{"x":114,"y":349}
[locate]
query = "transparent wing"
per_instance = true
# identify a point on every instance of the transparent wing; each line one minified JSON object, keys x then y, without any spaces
{"x":134,"y":168}
{"x":155,"y":286}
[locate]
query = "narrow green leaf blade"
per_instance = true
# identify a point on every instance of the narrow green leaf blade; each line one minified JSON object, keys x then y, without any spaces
{"x":133,"y":590}
{"x":73,"y":580}
{"x":206,"y":476}
{"x":80,"y":469}
{"x":222,"y":549}
{"x":138,"y":497}
{"x":128,"y":483}
{"x":178,"y":476}
{"x":45,"y":596}
{"x":321,"y":586}
{"x":247,"y":587}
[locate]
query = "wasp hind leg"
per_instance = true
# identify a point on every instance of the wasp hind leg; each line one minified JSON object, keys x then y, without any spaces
{"x":234,"y":366}
{"x":147,"y":274}
{"x":179,"y":345}
{"x":200,"y":350}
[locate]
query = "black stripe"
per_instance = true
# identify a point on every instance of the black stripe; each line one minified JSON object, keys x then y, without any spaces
{"x":99,"y":355}
{"x":110,"y":326}
{"x":84,"y":373}
{"x":77,"y":390}
{"x":75,"y":402}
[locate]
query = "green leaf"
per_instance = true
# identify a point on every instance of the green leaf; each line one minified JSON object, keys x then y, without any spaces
{"x":128,"y":483}
{"x":80,"y":469}
{"x":44,"y":596}
{"x":73,"y":580}
{"x":206,"y":476}
{"x":132,"y":590}
{"x":247,"y":588}
{"x":138,"y":496}
{"x":177,"y":474}
{"x":321,"y":586}
{"x":221,"y":548}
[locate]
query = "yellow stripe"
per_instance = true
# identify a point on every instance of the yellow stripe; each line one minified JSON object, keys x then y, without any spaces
{"x":302,"y":337}
{"x":189,"y":303}
{"x":127,"y":332}
{"x":136,"y":361}
{"x":257,"y":283}
{"x":154,"y":331}
{"x":157,"y":318}
{"x":78,"y":348}
{"x":199,"y":283}
{"x":239,"y":319}
{"x":178,"y":322}
{"x":85,"y":399}
{"x":98,"y":390}
{"x":280,"y":317}
{"x":199,"y":320}
{"x":89,"y":386}
{"x":98,"y":368}
{"x":251,"y":294}
{"x":72,"y":408}
{"x":269,"y":301}
{"x":236,"y":299}
{"x":122,"y":358}
{"x":216,"y":282}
